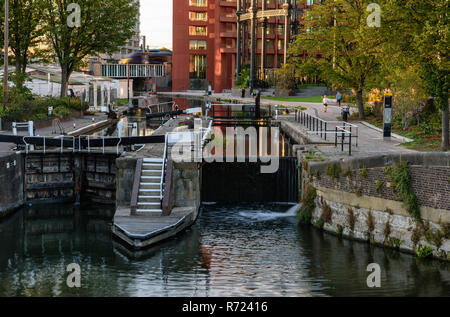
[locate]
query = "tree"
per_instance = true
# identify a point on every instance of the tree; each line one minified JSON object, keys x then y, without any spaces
{"x":104,"y":26}
{"x":347,"y":47}
{"x":25,"y":31}
{"x":418,"y":32}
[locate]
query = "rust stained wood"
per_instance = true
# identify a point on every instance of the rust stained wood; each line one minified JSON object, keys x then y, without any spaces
{"x":136,"y":183}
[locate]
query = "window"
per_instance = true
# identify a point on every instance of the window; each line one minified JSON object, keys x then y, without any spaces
{"x":198,"y":16}
{"x":197,"y":45}
{"x":197,"y":30}
{"x":198,"y":3}
{"x":197,"y":72}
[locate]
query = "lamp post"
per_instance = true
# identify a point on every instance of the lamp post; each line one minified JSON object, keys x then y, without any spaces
{"x":5,"y":70}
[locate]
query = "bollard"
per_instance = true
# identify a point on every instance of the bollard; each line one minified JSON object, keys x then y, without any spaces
{"x":14,"y":127}
{"x":276,"y":112}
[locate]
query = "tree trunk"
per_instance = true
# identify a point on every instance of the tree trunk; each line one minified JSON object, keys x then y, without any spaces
{"x":65,"y":75}
{"x":359,"y":96}
{"x":445,"y":129}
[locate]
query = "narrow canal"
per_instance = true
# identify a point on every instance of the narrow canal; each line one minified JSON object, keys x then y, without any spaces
{"x":249,"y":250}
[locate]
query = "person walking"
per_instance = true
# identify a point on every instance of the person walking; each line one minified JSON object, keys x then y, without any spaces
{"x":339,"y":98}
{"x":325,"y":103}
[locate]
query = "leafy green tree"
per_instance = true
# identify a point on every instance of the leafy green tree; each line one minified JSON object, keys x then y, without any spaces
{"x":417,"y":33}
{"x":348,"y":47}
{"x":104,"y":26}
{"x":25,"y":31}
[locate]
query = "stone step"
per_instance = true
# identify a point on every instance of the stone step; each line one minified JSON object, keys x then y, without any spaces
{"x":152,"y":173}
{"x":150,"y":190}
{"x":144,"y":203}
{"x":151,"y":167}
{"x":148,"y":211}
{"x":153,"y":160}
{"x":145,"y":178}
{"x":150,"y":199}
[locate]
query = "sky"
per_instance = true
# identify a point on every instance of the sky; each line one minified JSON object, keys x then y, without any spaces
{"x":156,"y":22}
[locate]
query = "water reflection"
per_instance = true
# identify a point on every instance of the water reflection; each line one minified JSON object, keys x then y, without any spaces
{"x":249,"y":250}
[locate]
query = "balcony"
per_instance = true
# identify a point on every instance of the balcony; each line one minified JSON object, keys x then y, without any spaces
{"x":228,"y":18}
{"x":232,"y":3}
{"x":228,"y":34}
{"x":228,"y":50}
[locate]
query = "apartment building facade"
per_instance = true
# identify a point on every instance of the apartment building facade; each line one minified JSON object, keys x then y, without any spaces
{"x":209,"y":34}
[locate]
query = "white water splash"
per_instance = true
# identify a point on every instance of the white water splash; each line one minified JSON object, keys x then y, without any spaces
{"x":267,"y":215}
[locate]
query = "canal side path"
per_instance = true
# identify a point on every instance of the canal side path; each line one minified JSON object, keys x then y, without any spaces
{"x":370,"y":139}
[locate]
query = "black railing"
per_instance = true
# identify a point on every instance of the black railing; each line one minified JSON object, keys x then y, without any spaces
{"x":344,"y":133}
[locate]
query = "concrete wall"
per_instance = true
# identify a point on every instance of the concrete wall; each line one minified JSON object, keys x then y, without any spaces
{"x":365,"y":189}
{"x":187,"y":184}
{"x":126,"y":166}
{"x":11,"y":180}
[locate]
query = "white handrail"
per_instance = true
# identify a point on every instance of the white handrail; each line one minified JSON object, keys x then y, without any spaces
{"x":164,"y":166}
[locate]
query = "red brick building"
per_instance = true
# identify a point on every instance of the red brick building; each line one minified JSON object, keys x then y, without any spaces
{"x":205,"y":37}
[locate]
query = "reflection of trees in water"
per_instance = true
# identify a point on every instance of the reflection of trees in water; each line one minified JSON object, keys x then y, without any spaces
{"x":343,"y":263}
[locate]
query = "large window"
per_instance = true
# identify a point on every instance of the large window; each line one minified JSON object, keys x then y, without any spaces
{"x":198,"y":3}
{"x":198,"y":16}
{"x":197,"y":45}
{"x":197,"y":30}
{"x":197,"y":72}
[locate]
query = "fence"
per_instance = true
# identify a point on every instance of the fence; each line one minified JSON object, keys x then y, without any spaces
{"x":133,"y":70}
{"x":344,"y":133}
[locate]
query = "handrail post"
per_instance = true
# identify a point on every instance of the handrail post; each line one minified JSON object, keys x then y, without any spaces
{"x":350,"y":144}
{"x":326,"y":131}
{"x":335,"y":137}
{"x":342,"y":141}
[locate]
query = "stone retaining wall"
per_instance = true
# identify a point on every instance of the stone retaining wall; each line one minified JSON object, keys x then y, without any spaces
{"x":349,"y":192}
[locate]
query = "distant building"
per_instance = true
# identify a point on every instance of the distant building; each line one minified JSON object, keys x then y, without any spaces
{"x":205,"y":34}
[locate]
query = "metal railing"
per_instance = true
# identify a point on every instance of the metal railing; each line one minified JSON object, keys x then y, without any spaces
{"x":133,"y":70}
{"x":347,"y":132}
{"x":56,"y":124}
{"x":163,"y":172}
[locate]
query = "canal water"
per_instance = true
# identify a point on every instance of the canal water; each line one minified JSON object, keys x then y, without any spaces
{"x":247,"y":250}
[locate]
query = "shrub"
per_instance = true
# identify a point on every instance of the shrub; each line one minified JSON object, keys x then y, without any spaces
{"x":308,"y":204}
{"x":379,"y":185}
{"x":401,"y":180}
{"x":351,"y":219}
{"x":326,"y":213}
{"x":434,"y":237}
{"x":445,"y":227}
{"x":424,"y":252}
{"x":370,"y":222}
{"x":395,"y":242}
{"x":364,"y":173}
{"x":347,"y":172}
{"x":333,"y":170}
{"x":387,"y":230}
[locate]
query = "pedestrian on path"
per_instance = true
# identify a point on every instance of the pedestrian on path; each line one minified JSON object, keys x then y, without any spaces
{"x":325,"y":103}
{"x":339,"y":98}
